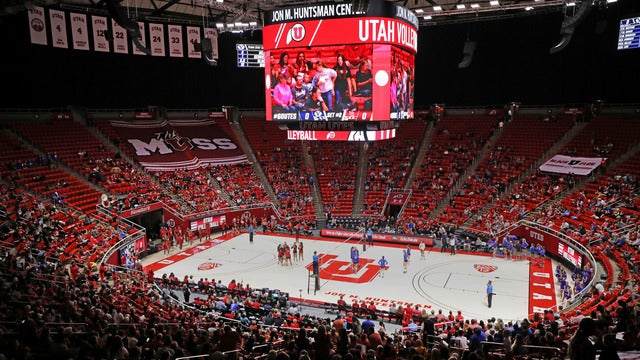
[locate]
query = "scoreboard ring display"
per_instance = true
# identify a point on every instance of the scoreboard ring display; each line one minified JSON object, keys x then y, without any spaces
{"x":250,"y":55}
{"x":357,"y":59}
{"x":629,"y":33}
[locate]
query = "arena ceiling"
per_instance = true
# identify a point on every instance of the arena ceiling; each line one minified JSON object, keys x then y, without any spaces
{"x":250,"y":12}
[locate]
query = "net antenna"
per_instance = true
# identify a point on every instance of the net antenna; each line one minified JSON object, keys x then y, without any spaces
{"x":314,"y":280}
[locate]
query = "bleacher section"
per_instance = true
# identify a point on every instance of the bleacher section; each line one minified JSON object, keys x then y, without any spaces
{"x":524,"y":140}
{"x":336,"y":165}
{"x":455,"y":144}
{"x":389,"y":165}
{"x":56,"y":292}
{"x":282,"y":162}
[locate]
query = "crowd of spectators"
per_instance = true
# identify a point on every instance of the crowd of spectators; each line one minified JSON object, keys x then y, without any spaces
{"x":59,"y":302}
{"x":241,"y":183}
{"x":335,"y":165}
{"x":195,"y":187}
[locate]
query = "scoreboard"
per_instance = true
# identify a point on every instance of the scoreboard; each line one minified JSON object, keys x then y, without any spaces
{"x":379,"y":40}
{"x":629,"y":35}
{"x":250,"y":55}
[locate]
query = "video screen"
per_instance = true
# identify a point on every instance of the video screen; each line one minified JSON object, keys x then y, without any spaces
{"x":401,"y":84}
{"x":629,"y":33}
{"x":336,"y":83}
{"x":339,"y":62}
{"x":332,"y":83}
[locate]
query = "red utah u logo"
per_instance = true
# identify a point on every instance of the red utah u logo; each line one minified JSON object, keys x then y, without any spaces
{"x":338,"y":270}
{"x":296,"y":33}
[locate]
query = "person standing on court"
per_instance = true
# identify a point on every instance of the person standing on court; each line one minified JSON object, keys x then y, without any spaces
{"x":251,"y":233}
{"x":370,"y":237}
{"x":489,"y":292}
{"x":316,"y":263}
{"x":405,"y":260}
{"x":422,"y":247}
{"x":383,"y":265}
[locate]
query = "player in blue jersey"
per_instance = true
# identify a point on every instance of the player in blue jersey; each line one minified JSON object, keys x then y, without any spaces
{"x":492,"y":245}
{"x":383,"y":265}
{"x":405,"y":260}
{"x":355,"y":259}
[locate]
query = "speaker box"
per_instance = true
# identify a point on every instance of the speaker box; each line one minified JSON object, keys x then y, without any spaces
{"x":467,"y":54}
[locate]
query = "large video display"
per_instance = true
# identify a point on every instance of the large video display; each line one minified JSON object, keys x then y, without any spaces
{"x":340,"y":62}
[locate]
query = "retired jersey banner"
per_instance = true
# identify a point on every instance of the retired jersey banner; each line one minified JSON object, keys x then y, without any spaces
{"x":563,"y":164}
{"x":179,"y":144}
{"x":193,"y":37}
{"x":120,"y":38}
{"x":79,"y":31}
{"x":58,"y":29}
{"x":100,"y":29}
{"x":156,"y":34}
{"x":176,"y":44}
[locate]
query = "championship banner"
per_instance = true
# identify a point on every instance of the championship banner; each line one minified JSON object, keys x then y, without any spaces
{"x":179,"y":144}
{"x":398,"y":197}
{"x":562,"y":164}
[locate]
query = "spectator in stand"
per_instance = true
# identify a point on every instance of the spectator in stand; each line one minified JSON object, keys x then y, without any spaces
{"x":322,"y":344}
{"x":580,"y":346}
{"x":300,"y":92}
{"x":302,"y":66}
{"x":282,"y":95}
{"x":344,"y":83}
{"x":364,"y":80}
{"x":315,"y":102}
{"x":325,"y":81}
{"x":368,"y":326}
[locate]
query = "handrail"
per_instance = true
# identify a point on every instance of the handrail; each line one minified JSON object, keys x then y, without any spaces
{"x":194,"y":357}
{"x":553,"y":348}
{"x":64,"y":324}
{"x":120,"y":244}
